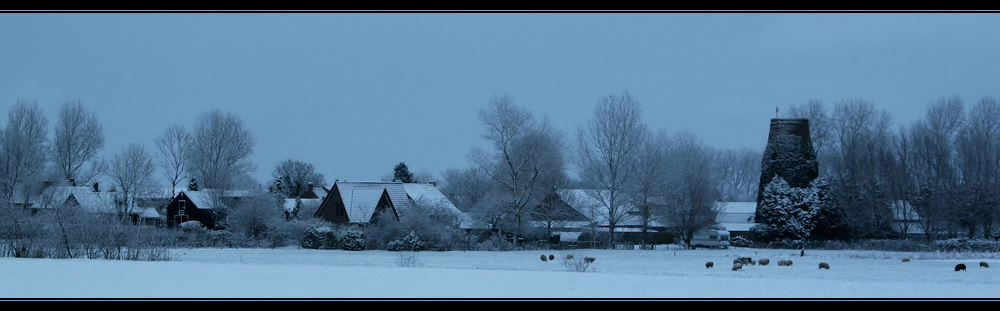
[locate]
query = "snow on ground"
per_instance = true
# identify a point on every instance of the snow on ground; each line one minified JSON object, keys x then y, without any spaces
{"x":662,"y":273}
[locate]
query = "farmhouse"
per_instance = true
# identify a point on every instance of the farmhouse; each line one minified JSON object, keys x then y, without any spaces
{"x":363,"y":202}
{"x":306,"y":204}
{"x":577,"y":216}
{"x":190,"y":205}
{"x":737,"y":218}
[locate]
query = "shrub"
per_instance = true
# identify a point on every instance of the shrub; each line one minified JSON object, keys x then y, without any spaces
{"x":579,"y":265}
{"x":411,"y":242}
{"x":352,"y":240}
{"x":409,"y":260}
{"x":320,"y":237}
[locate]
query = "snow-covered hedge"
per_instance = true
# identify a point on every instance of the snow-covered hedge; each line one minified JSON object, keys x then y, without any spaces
{"x":320,"y":237}
{"x":352,"y":240}
{"x":411,"y":242}
{"x":964,"y":245}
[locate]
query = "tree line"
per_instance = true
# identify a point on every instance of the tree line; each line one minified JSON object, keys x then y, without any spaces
{"x":617,"y":159}
{"x":939,"y":174}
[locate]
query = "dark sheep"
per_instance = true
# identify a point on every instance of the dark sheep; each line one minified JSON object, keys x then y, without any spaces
{"x":737,"y":267}
{"x":824,"y":265}
{"x":960,"y":267}
{"x":906,"y":260}
{"x":764,"y":262}
{"x":552,"y":257}
{"x":983,"y":264}
{"x":588,"y":259}
{"x":709,"y":264}
{"x":544,"y":258}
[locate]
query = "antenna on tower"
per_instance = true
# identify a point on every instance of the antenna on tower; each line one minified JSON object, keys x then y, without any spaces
{"x":776,"y":111}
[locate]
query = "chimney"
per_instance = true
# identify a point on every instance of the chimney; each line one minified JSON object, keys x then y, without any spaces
{"x":433,"y":183}
{"x":96,"y":188}
{"x":72,"y":182}
{"x":310,"y":185}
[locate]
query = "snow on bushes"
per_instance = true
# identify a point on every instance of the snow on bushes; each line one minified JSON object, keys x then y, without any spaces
{"x":963,"y":245}
{"x":411,"y":242}
{"x":352,"y":240}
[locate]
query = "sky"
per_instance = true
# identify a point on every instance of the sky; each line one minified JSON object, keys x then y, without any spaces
{"x":666,"y":273}
{"x":356,"y":93}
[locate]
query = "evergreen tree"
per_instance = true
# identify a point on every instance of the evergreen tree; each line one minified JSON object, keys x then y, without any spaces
{"x":402,"y":173}
{"x":789,"y":213}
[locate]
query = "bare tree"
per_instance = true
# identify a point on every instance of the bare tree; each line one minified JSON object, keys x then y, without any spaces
{"x":295,"y":177}
{"x":692,"y":191}
{"x":820,"y":131}
{"x":652,"y":176}
{"x":467,"y":188}
{"x":862,"y":141}
{"x":23,"y":148}
{"x":131,"y":171}
{"x":173,"y":148}
{"x":220,"y":150}
{"x":977,"y":150}
{"x":79,"y":136}
{"x":607,"y":149}
{"x":525,"y":153}
{"x":739,"y":173}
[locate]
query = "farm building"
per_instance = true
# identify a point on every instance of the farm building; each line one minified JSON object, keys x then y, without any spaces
{"x":362,"y":202}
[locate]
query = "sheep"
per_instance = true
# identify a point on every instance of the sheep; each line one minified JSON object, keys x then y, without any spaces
{"x":906,"y":260}
{"x":552,"y":257}
{"x":737,"y":261}
{"x":544,"y":258}
{"x":737,"y":267}
{"x":747,"y":261}
{"x":824,"y":265}
{"x":588,"y":259}
{"x":983,"y":264}
{"x":709,"y":264}
{"x":764,"y":262}
{"x":784,"y":262}
{"x":569,"y":256}
{"x":960,"y":267}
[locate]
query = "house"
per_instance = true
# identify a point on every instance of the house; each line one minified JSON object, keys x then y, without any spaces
{"x":581,"y":217}
{"x":905,"y":219}
{"x":308,"y":202}
{"x":363,"y":202}
{"x":190,"y":205}
{"x":737,"y":218}
{"x":92,"y":200}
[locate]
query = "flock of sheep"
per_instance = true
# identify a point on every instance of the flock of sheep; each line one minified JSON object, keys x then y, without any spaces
{"x":568,"y":257}
{"x":738,"y":263}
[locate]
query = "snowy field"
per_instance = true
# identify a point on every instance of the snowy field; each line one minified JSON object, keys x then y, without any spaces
{"x":615,"y":274}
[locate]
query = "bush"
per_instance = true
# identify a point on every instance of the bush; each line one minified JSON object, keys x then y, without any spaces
{"x":352,"y":240}
{"x":578,"y":264}
{"x":963,"y":245}
{"x":320,"y":237}
{"x":411,"y":242}
{"x":409,"y":260}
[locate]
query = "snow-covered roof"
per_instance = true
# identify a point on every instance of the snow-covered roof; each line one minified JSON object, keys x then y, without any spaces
{"x":729,"y":226}
{"x":902,"y":211}
{"x":586,"y":202}
{"x":289,"y":204}
{"x":203,"y":197}
{"x":361,"y":198}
